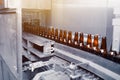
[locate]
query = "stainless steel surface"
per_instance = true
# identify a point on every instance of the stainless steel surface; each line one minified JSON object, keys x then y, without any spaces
{"x":8,"y":35}
{"x":10,"y":38}
{"x":19,"y":39}
{"x":116,"y":30}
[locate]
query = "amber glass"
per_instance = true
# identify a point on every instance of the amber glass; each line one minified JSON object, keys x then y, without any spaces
{"x":49,"y":32}
{"x":40,"y":31}
{"x":95,"y":43}
{"x":103,"y":43}
{"x":76,"y":38}
{"x":33,"y":29}
{"x":69,"y":37}
{"x":103,"y":48}
{"x":61,"y":35}
{"x":37,"y":30}
{"x":52,"y":33}
{"x":81,"y":39}
{"x":89,"y":41}
{"x":46,"y":31}
{"x":56,"y":34}
{"x":65,"y":36}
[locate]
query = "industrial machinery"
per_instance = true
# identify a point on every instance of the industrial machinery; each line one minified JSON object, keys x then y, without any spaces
{"x":59,"y":40}
{"x":63,"y":62}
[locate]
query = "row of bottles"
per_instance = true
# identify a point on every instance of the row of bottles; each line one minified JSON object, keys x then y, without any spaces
{"x":64,"y":37}
{"x":76,"y":40}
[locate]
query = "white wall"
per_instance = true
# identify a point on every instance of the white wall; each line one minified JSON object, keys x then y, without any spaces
{"x":88,"y":16}
{"x":78,"y":16}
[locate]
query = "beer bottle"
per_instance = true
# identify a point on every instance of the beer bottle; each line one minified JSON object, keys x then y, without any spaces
{"x":65,"y":36}
{"x":43,"y":31}
{"x":49,"y":33}
{"x":61,"y":36}
{"x":89,"y":41}
{"x":56,"y":34}
{"x":40,"y":31}
{"x":69,"y":37}
{"x":103,"y":48}
{"x":37,"y":30}
{"x":76,"y":39}
{"x":46,"y":32}
{"x":52,"y":33}
{"x":81,"y":40}
{"x":95,"y":43}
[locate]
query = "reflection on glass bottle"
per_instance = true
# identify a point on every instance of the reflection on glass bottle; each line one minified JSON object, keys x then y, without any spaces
{"x":103,"y":48}
{"x":46,"y":32}
{"x":81,"y":40}
{"x":76,"y":38}
{"x":69,"y":37}
{"x":49,"y":33}
{"x":61,"y":36}
{"x":65,"y":36}
{"x":89,"y":41}
{"x":37,"y":30}
{"x":43,"y":31}
{"x":95,"y":42}
{"x":56,"y":34}
{"x":52,"y":33}
{"x":40,"y":31}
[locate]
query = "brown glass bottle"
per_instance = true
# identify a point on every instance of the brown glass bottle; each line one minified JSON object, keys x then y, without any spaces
{"x":65,"y":36}
{"x":46,"y":32}
{"x":40,"y":31}
{"x":81,"y":40}
{"x":69,"y":38}
{"x":95,"y":43}
{"x":52,"y":33}
{"x":56,"y":34}
{"x":33,"y":29}
{"x":89,"y":41}
{"x":76,"y":39}
{"x":103,"y":48}
{"x":49,"y":33}
{"x":61,"y":36}
{"x":37,"y":30}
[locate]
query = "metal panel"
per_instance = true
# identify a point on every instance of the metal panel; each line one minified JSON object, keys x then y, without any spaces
{"x":5,"y":71}
{"x":1,"y":70}
{"x":8,"y":40}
